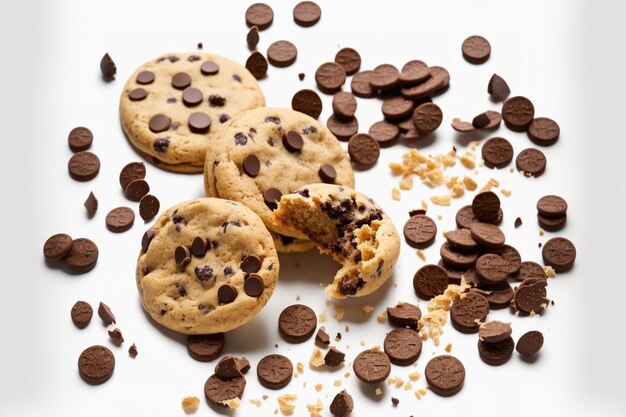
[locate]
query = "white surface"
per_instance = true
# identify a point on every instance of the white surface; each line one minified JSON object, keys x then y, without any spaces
{"x":53,"y":75}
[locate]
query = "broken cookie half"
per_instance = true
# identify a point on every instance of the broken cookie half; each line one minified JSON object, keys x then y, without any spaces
{"x":350,"y":227}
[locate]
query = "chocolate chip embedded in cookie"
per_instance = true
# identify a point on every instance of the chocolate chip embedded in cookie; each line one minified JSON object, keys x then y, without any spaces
{"x":206,"y":290}
{"x":348,"y":226}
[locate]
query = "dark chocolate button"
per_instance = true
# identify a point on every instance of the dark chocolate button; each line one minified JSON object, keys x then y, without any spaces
{"x":159,"y":123}
{"x":226,"y":294}
{"x":96,"y":364}
{"x":182,"y":255}
{"x":205,"y":347}
{"x":181,"y":80}
{"x":307,"y":13}
{"x":253,"y":285}
{"x":149,"y":207}
{"x":137,"y":189}
{"x":282,"y":53}
{"x":137,"y":94}
{"x":251,"y":264}
{"x":476,"y":49}
{"x":192,"y":96}
{"x":308,"y":102}
{"x":260,"y":15}
{"x":199,"y":122}
{"x":57,"y":246}
{"x":327,"y":173}
{"x":385,"y":133}
{"x":251,"y":165}
{"x":81,"y":314}
{"x":272,"y":197}
{"x":274,"y":371}
{"x":145,"y":77}
{"x":445,"y":375}
{"x":363,"y":149}
{"x":82,"y":256}
{"x":330,"y":77}
{"x":293,"y":141}
{"x":147,"y":239}
{"x":209,"y":68}
{"x":199,"y":246}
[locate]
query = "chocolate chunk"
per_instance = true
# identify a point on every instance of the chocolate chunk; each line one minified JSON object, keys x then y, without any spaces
{"x":132,"y":171}
{"x":494,"y":331}
{"x":137,"y":189}
{"x":497,"y":88}
{"x":159,"y":123}
{"x":161,"y":144}
{"x":307,"y":13}
{"x":457,"y":259}
{"x":485,"y":206}
{"x":251,"y":165}
{"x":559,"y":253}
{"x":430,"y":281}
{"x":80,"y":139}
{"x":209,"y":68}
{"x":257,"y":65}
{"x":149,"y":207}
{"x":145,"y":77}
{"x":403,"y":346}
{"x":334,"y":357}
{"x":552,"y":206}
{"x":83,"y":255}
{"x":199,"y":246}
{"x":219,"y":390}
{"x":384,"y":77}
{"x":551,"y":224}
{"x":481,"y":121}
{"x":108,"y":67}
{"x":330,"y":77}
{"x":487,"y":235}
{"x":226,"y":294}
{"x":420,"y":231}
{"x":497,"y":152}
{"x":414,"y":72}
{"x":385,"y":133}
{"x":243,"y":365}
{"x":371,"y":366}
{"x":147,"y":239}
{"x":544,"y":131}
{"x":251,"y":264}
{"x":120,"y":219}
{"x":322,"y":338}
{"x":301,"y":76}
{"x":228,"y":367}
{"x":531,"y":296}
{"x":461,"y":240}
{"x":531,"y":161}
{"x":530,"y":343}
{"x":252,"y":38}
{"x":57,"y":246}
{"x":81,"y":314}
{"x":518,"y":113}
{"x":496,"y":353}
{"x":445,"y":375}
{"x":181,"y":80}
{"x":342,"y":405}
{"x":396,"y":108}
{"x":205,"y":347}
{"x":137,"y":94}
{"x":96,"y":364}
{"x":182,"y":256}
{"x":327,"y":173}
{"x":199,"y":122}
{"x":349,"y":59}
{"x":272,"y":196}
{"x":253,"y":285}
{"x":427,"y":117}
{"x":476,"y":49}
{"x":363,"y":149}
{"x":83,"y":166}
{"x":342,"y":129}
{"x":360,"y":85}
{"x":297,"y":323}
{"x":105,"y":313}
{"x":132,"y":351}
{"x":404,"y":315}
{"x":282,"y":53}
{"x":307,"y":102}
{"x":344,"y":105}
{"x":116,"y":336}
{"x":492,"y":269}
{"x":260,"y":15}
{"x":465,"y":312}
{"x":274,"y":371}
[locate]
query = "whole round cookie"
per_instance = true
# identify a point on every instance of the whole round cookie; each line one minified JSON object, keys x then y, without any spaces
{"x":227,"y":272}
{"x":172,"y":106}
{"x":265,"y":153}
{"x":350,"y":227}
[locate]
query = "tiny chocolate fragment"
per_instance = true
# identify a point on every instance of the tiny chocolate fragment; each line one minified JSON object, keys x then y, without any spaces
{"x":282,"y":53}
{"x":342,"y":129}
{"x":496,"y":353}
{"x":307,"y":13}
{"x":445,"y":375}
{"x":105,"y":313}
{"x":322,"y":338}
{"x":427,"y":117}
{"x":132,"y":351}
{"x":274,"y":371}
{"x":349,"y":59}
{"x":226,"y":294}
{"x":395,"y":401}
{"x":209,"y":68}
{"x":243,"y":364}
{"x":385,"y":133}
{"x":182,"y":256}
{"x":372,"y":366}
{"x":530,"y":343}
{"x":107,"y":67}
{"x":80,"y":139}
{"x":116,"y":336}
{"x":330,"y":77}
{"x":147,"y":239}
{"x":227,"y":367}
{"x":544,"y":131}
{"x":497,"y":88}
{"x":531,"y":161}
{"x":404,"y":315}
{"x":199,"y":246}
{"x":518,"y":222}
{"x":559,"y":253}
{"x":253,"y":285}
{"x":360,"y":85}
{"x":430,"y":281}
{"x":181,"y":80}
{"x":218,"y":391}
{"x":159,"y":123}
{"x":414,"y":72}
{"x":250,"y":264}
{"x":137,"y":189}
{"x":132,"y":171}
{"x":83,"y":255}
{"x":465,"y":312}
{"x":403,"y":346}
{"x":81,"y":314}
{"x":476,"y":49}
{"x":552,"y":206}
{"x":344,"y":105}
{"x":96,"y":364}
{"x":494,"y":331}
{"x":83,"y":166}
{"x":301,"y":76}
{"x":297,"y":323}
{"x":120,"y":219}
{"x":199,"y":122}
{"x":384,"y":77}
{"x":272,"y":196}
{"x":252,"y":38}
{"x":251,"y":165}
{"x":518,"y":113}
{"x":485,"y":206}
{"x":334,"y":357}
{"x":308,"y":102}
{"x":497,"y":152}
{"x":91,"y":204}
{"x":363,"y":149}
{"x":260,"y":15}
{"x":149,"y":207}
{"x":327,"y":173}
{"x":257,"y":65}
{"x":342,"y":405}
{"x":57,"y":246}
{"x":205,"y":347}
{"x":420,"y":231}
{"x":487,"y":235}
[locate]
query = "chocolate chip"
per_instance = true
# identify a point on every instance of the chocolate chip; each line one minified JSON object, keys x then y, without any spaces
{"x":83,"y":166}
{"x":307,"y":13}
{"x":251,"y":165}
{"x":293,"y":141}
{"x":204,"y":274}
{"x":199,"y":122}
{"x":272,"y":196}
{"x":427,"y":117}
{"x":120,"y":219}
{"x":414,"y":72}
{"x":334,"y":357}
{"x":371,"y":366}
{"x":307,"y":102}
{"x":497,"y":152}
{"x":330,"y":77}
{"x":301,"y":76}
{"x":182,"y":256}
{"x":160,"y":145}
{"x":342,"y":405}
{"x":403,"y":346}
{"x":194,"y":58}
{"x":81,"y":314}
{"x":252,"y":38}
{"x":251,"y":264}
{"x":274,"y":371}
{"x":105,"y":313}
{"x":240,"y":139}
{"x":137,"y":94}
{"x":224,"y":118}
{"x":384,"y":77}
{"x":530,"y":343}
{"x":159,"y":123}
{"x":260,"y":15}
{"x":205,"y":347}
{"x":57,"y":246}
{"x":147,"y":239}
{"x":149,"y":207}
{"x":82,"y":256}
{"x":282,"y":53}
{"x":228,"y":271}
{"x":216,"y":101}
{"x":420,"y":231}
{"x":363,"y":149}
{"x":80,"y":139}
{"x":360,"y":85}
{"x":518,"y":222}
{"x":342,"y":129}
{"x":430,"y":281}
{"x":137,"y":189}
{"x":497,"y":88}
{"x":181,"y":80}
{"x":297,"y":323}
{"x":226,"y":294}
{"x":236,"y":77}
{"x":145,"y":77}
{"x":327,"y":173}
{"x":91,"y":204}
{"x":199,"y":246}
{"x":344,"y":105}
{"x":518,"y":113}
{"x":96,"y":364}
{"x":132,"y":351}
{"x":385,"y":133}
{"x":476,"y":49}
{"x":209,"y":68}
{"x":253,"y":285}
{"x":349,"y":59}
{"x":107,"y":67}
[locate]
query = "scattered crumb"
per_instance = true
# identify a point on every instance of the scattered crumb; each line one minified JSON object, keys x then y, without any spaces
{"x":439,"y":217}
{"x":375,"y":348}
{"x":469,"y":183}
{"x":337,"y":382}
{"x":378,"y":392}
{"x":366,"y":309}
{"x":340,"y":311}
{"x":391,"y":380}
{"x":315,"y":409}
{"x":395,"y":194}
{"x":550,"y":272}
{"x":301,"y":76}
{"x":431,"y":324}
{"x":541,"y":231}
{"x":337,"y":337}
{"x":276,"y":345}
{"x":492,"y":183}
{"x":448,"y":347}
{"x":298,"y":297}
{"x":199,"y":45}
{"x":362,"y":343}
{"x":507,"y":193}
{"x":457,"y":190}
{"x":265,"y":397}
{"x":190,"y":404}
{"x":233,"y":403}
{"x":468,"y":159}
{"x":318,"y":387}
{"x":511,"y":169}
{"x":422,"y":255}
{"x":424,"y":205}
{"x":327,"y":302}
{"x":322,"y":318}
{"x":408,"y":386}
{"x":539,"y":245}
{"x":132,"y":351}
{"x":518,"y":222}
{"x":414,"y":376}
{"x":300,"y":367}
{"x":317,"y":358}
{"x":441,"y":200}
{"x":382,"y":316}
{"x":285,"y":403}
{"x":532,"y":313}
{"x":399,"y":382}
{"x":406,"y":183}
{"x":346,"y":375}
{"x":304,"y":384}
{"x":256,"y":402}
{"x":419,"y":393}
{"x":347,"y":328}
{"x":395,"y":401}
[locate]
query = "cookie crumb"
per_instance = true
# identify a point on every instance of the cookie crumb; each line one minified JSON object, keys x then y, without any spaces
{"x":300,"y":367}
{"x":339,"y":312}
{"x":408,"y":386}
{"x":469,"y":183}
{"x":318,"y":387}
{"x":424,"y":205}
{"x":406,"y":183}
{"x":315,"y":409}
{"x":439,"y":217}
{"x":421,"y":255}
{"x":414,"y":376}
{"x":507,"y":193}
{"x":366,"y":309}
{"x":382,"y":317}
{"x":541,"y":231}
{"x":399,"y":382}
{"x":190,"y":404}
{"x":468,"y":160}
{"x":255,"y":402}
{"x":550,"y":272}
{"x":441,"y":200}
{"x":337,"y":382}
{"x":322,"y":317}
{"x":285,"y":403}
{"x":448,"y":347}
{"x":346,"y":375}
{"x":378,"y":392}
{"x":233,"y":403}
{"x":375,"y":348}
{"x":265,"y":397}
{"x":362,"y":343}
{"x":395,"y":194}
{"x":347,"y":328}
{"x":317,"y":358}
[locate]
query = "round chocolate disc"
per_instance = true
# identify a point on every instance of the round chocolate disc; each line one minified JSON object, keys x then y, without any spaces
{"x":531,"y":161}
{"x":83,"y":166}
{"x":496,"y":353}
{"x":430,"y":281}
{"x":330,"y":77}
{"x":205,"y":347}
{"x":518,"y":113}
{"x":297,"y":323}
{"x":342,"y":129}
{"x":80,"y":139}
{"x":260,"y":15}
{"x":96,"y":364}
{"x":307,"y":13}
{"x":282,"y":53}
{"x":57,"y":246}
{"x":445,"y":375}
{"x":219,"y":390}
{"x":559,"y":253}
{"x":274,"y":371}
{"x":120,"y":219}
{"x":372,"y":367}
{"x":308,"y":102}
{"x":82,"y":256}
{"x":543,"y":131}
{"x":465,"y":312}
{"x":403,"y":346}
{"x":530,"y":343}
{"x":349,"y":59}
{"x":81,"y":314}
{"x":497,"y":152}
{"x":363,"y":149}
{"x":420,"y":231}
{"x":476,"y":49}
